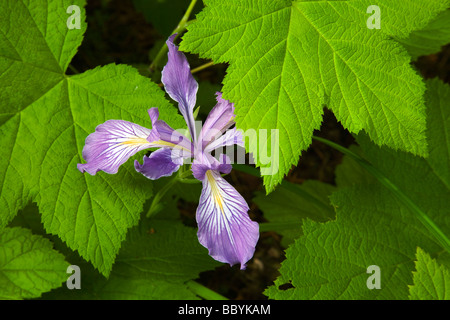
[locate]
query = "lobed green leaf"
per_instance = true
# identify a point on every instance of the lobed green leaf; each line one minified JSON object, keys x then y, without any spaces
{"x":45,"y":119}
{"x":29,"y":266}
{"x":372,"y":227}
{"x":290,"y":58}
{"x":431,"y":280}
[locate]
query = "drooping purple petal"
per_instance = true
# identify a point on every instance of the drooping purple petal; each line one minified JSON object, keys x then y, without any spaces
{"x":113,"y":143}
{"x":161,"y":163}
{"x":224,"y":226}
{"x":180,"y":84}
{"x":162,"y":135}
{"x":219,"y":119}
{"x":205,"y":161}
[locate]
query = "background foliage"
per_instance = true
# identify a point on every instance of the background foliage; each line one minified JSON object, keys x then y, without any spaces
{"x":303,"y":67}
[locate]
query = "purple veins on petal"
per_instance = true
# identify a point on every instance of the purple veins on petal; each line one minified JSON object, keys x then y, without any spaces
{"x":229,"y":138}
{"x":218,"y":121}
{"x":162,"y":135}
{"x":180,"y":84}
{"x":161,"y":163}
{"x":112,"y":144}
{"x":224,"y":226}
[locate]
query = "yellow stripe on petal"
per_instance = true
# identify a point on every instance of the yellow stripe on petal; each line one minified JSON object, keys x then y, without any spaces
{"x":135,"y":141}
{"x":217,"y":197}
{"x":166,"y":144}
{"x":162,"y":143}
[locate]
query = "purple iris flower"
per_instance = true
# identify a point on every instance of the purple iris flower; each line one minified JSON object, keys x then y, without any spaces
{"x":224,"y":226}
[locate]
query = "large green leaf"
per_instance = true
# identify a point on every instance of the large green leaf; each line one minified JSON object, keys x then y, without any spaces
{"x":431,"y":280}
{"x":155,"y":262}
{"x":290,"y":204}
{"x":290,"y":58}
{"x":429,"y":39}
{"x":33,"y":58}
{"x":29,"y":265}
{"x":46,"y":116}
{"x":372,"y":227}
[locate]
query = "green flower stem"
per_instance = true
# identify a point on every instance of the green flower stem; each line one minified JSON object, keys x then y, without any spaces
{"x":202,"y":67}
{"x":189,"y":181}
{"x":203,"y":291}
{"x":182,"y":175}
{"x":74,"y":70}
{"x":156,"y":206}
{"x":422,"y":216}
{"x":179,"y":29}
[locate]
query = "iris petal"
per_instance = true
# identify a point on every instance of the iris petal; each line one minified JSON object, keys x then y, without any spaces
{"x":162,"y":135}
{"x":229,"y":138}
{"x":219,"y":119}
{"x":224,"y":226}
{"x":113,"y":143}
{"x":180,"y":84}
{"x":161,"y":163}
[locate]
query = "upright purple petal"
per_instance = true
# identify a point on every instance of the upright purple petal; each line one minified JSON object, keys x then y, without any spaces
{"x":113,"y":143}
{"x":219,"y":119}
{"x":224,"y":226}
{"x":161,"y":163}
{"x":162,"y":135}
{"x":180,"y":84}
